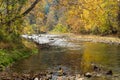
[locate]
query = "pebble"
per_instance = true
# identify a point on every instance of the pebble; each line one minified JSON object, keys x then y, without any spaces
{"x":80,"y":79}
{"x":36,"y":78}
{"x":88,"y":75}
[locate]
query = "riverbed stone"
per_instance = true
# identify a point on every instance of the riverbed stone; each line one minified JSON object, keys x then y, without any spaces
{"x":36,"y":78}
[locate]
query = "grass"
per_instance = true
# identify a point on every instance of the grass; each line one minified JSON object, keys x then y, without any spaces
{"x":9,"y":56}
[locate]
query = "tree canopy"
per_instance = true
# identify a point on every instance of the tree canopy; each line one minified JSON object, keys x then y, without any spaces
{"x":76,"y":16}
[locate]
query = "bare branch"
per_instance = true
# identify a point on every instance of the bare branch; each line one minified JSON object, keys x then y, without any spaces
{"x":23,"y":14}
{"x":30,"y":8}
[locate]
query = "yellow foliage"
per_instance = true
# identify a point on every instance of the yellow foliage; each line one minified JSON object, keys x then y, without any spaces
{"x":88,"y":27}
{"x":43,"y":28}
{"x":28,"y":30}
{"x":92,"y":13}
{"x":85,"y":13}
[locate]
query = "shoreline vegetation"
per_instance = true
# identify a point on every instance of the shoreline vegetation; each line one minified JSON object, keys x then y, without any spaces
{"x":108,"y":39}
{"x":9,"y":54}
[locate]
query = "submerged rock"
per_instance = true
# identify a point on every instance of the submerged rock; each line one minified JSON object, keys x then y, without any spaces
{"x":109,"y":72}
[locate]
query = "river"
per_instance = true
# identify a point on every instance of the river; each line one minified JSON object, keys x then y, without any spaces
{"x":72,"y":59}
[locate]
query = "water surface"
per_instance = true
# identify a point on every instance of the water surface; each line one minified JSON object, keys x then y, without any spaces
{"x":72,"y":60}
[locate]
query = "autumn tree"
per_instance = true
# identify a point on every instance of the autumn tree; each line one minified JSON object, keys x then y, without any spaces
{"x":91,"y":16}
{"x":11,"y":16}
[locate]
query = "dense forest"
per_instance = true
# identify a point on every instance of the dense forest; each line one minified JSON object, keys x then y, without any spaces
{"x":17,"y":17}
{"x":80,"y":16}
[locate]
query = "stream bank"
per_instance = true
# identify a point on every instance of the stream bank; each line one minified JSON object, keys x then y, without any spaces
{"x":94,"y":38}
{"x":13,"y":52}
{"x":53,"y":76}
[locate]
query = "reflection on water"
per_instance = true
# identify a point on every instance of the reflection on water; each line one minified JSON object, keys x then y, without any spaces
{"x":102,"y":54}
{"x":79,"y":60}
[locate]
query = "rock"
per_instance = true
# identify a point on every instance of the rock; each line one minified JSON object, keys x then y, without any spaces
{"x":60,"y":72}
{"x":88,"y":75}
{"x":78,"y":75}
{"x":71,"y":77}
{"x":54,"y":77}
{"x":6,"y":78}
{"x":52,"y":40}
{"x":109,"y":72}
{"x":36,"y":78}
{"x":59,"y":78}
{"x":96,"y":68}
{"x":4,"y":74}
{"x":96,"y":74}
{"x":80,"y":79}
{"x":49,"y":76}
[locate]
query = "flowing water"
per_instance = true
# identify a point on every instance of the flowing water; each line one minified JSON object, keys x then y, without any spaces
{"x":72,"y":60}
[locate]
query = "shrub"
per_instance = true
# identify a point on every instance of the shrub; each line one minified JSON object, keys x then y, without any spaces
{"x":60,"y":28}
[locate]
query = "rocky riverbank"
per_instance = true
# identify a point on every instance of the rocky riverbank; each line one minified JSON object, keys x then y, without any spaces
{"x":59,"y":75}
{"x":61,"y":39}
{"x":94,"y":38}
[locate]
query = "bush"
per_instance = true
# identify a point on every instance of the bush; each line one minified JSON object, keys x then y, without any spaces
{"x":60,"y":28}
{"x":95,"y":30}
